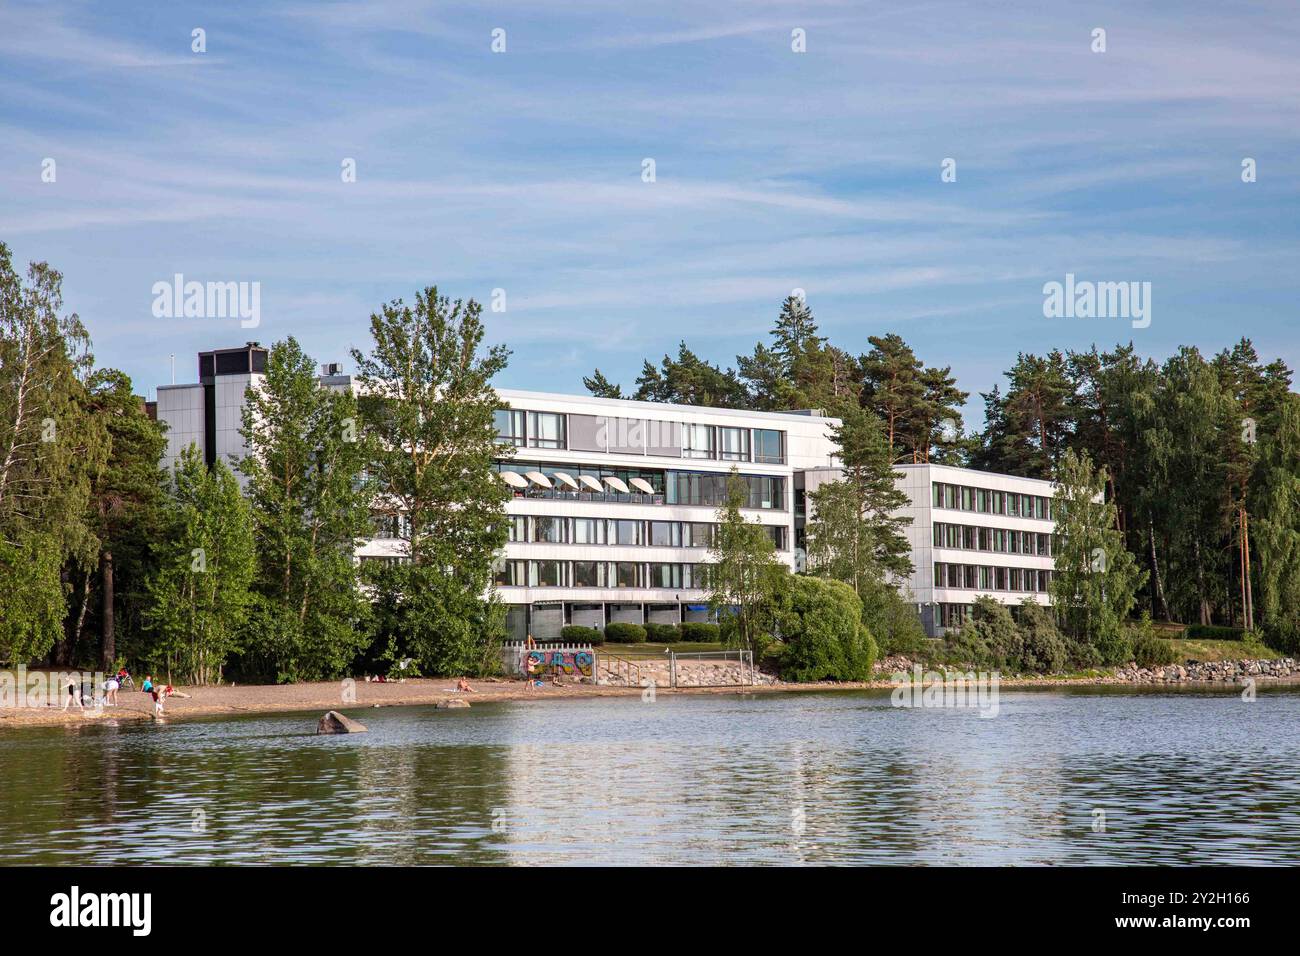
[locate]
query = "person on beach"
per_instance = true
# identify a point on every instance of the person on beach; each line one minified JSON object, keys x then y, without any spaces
{"x":157,"y":696}
{"x":74,"y":695}
{"x":462,"y":685}
{"x":147,"y":686}
{"x":110,"y":687}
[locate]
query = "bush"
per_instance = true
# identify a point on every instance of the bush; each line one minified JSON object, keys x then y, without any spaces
{"x":1045,"y":648}
{"x":662,"y":633}
{"x":576,"y":634}
{"x":1149,"y":650}
{"x":825,"y":639}
{"x":622,"y":632}
{"x":1213,"y":632}
{"x":893,"y":621}
{"x":700,"y":632}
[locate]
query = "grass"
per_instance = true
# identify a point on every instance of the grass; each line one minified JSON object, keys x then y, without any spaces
{"x":1209,"y":650}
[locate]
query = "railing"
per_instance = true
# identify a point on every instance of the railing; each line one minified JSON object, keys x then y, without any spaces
{"x":744,"y":658}
{"x":618,"y":667}
{"x":514,"y":652}
{"x":560,"y":494}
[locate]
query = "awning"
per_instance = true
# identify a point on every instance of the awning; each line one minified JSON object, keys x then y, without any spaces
{"x":513,"y":479}
{"x":566,"y":480}
{"x":640,"y":484}
{"x":537,"y":478}
{"x":617,"y":485}
{"x":590,"y":483}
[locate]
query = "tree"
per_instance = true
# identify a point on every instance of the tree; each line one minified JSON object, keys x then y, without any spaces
{"x":1276,"y":505}
{"x":1033,"y":422}
{"x":127,"y":496}
{"x":49,"y":449}
{"x":602,"y":387}
{"x":853,"y":533}
{"x":892,"y":388}
{"x":821,"y":625}
{"x":205,"y":563}
{"x":745,"y":573}
{"x":689,"y":380}
{"x":428,"y":404}
{"x":310,"y":509}
{"x":1096,"y":579}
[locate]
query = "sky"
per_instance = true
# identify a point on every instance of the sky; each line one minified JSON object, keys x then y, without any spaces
{"x":774,"y":170}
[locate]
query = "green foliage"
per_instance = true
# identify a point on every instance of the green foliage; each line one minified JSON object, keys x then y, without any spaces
{"x":1096,"y":579}
{"x":745,"y":574}
{"x":662,"y":633}
{"x":204,"y":565}
{"x":689,"y":380}
{"x":427,"y":408}
{"x":1148,"y":649}
{"x":310,"y":508}
{"x":1214,"y":632}
{"x":625,"y":632}
{"x":919,"y":408}
{"x":892,"y":619}
{"x":821,"y":625}
{"x":700,"y":632}
{"x":576,"y":634}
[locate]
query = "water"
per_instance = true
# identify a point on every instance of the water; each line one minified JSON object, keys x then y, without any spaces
{"x":1182,"y":777}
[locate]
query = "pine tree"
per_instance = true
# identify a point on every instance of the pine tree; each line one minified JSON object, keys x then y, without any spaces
{"x":601,"y":387}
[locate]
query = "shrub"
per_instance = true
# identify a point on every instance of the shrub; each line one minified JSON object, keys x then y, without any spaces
{"x":576,"y":634}
{"x":622,"y":632}
{"x":1149,"y":650}
{"x":1045,"y":648}
{"x":825,"y":639}
{"x":700,"y":632}
{"x":1213,"y":632}
{"x":662,"y":633}
{"x":892,"y":620}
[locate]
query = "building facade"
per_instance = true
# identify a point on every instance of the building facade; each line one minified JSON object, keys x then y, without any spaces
{"x":972,"y":534}
{"x":614,"y":501}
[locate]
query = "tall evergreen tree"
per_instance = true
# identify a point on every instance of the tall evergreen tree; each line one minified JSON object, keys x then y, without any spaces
{"x":601,"y":387}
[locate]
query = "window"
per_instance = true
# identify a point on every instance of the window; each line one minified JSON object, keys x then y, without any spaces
{"x":777,"y":534}
{"x":545,"y":574}
{"x":768,"y":446}
{"x":733,"y":444}
{"x":665,"y":534}
{"x":937,"y":488}
{"x":588,"y":530}
{"x":518,"y":528}
{"x":510,"y":426}
{"x":666,"y":576}
{"x":697,"y":441}
{"x":628,"y":532}
{"x":545,"y":430}
{"x":967,"y":499}
{"x":982,"y":501}
{"x":589,"y":574}
{"x":627,"y":574}
{"x":511,"y":574}
{"x":550,"y":530}
{"x":699,"y":535}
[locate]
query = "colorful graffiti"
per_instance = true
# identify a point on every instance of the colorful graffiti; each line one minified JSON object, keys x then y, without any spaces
{"x":560,"y":662}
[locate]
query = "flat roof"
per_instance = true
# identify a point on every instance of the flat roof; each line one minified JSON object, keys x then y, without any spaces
{"x":973,"y":471}
{"x":634,"y":405}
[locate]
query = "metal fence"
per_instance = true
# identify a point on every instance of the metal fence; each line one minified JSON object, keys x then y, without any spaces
{"x":744,"y":658}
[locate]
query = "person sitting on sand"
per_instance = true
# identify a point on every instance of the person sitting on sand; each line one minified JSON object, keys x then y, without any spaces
{"x":147,"y":686}
{"x":462,"y":685}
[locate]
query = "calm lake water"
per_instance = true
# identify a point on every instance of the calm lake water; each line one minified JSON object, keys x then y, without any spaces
{"x":1182,"y":777}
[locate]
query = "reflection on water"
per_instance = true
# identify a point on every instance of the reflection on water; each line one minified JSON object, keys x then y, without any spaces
{"x":780,"y":779}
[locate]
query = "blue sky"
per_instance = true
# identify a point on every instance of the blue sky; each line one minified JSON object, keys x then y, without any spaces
{"x":775,"y":170}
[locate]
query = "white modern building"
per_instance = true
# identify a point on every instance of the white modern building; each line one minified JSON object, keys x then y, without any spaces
{"x":973,"y":533}
{"x":614,"y":501}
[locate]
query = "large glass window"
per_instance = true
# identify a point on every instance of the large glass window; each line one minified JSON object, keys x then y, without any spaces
{"x":733,"y":444}
{"x":510,"y":426}
{"x":588,"y":530}
{"x":629,"y":532}
{"x":665,"y":575}
{"x":550,"y":530}
{"x":627,"y":574}
{"x":769,"y":446}
{"x":545,"y":574}
{"x":589,"y":574}
{"x":545,"y":430}
{"x":518,"y":526}
{"x":511,"y":574}
{"x":699,"y":535}
{"x":697,"y":441}
{"x":665,"y":534}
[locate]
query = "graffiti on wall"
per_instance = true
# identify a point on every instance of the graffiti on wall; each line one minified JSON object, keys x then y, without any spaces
{"x":560,"y":662}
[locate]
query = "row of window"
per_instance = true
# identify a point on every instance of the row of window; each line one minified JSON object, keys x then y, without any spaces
{"x":703,"y":488}
{"x":525,"y":429}
{"x":549,"y":529}
{"x":982,"y":578}
{"x":984,"y":501}
{"x":667,"y":487}
{"x":598,"y":574}
{"x":971,"y":538}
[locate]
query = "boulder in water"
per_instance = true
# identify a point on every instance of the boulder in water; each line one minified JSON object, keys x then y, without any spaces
{"x":451,"y":703}
{"x":335,"y":723}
